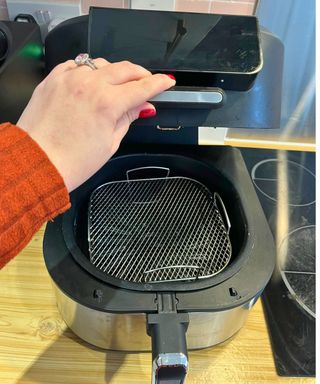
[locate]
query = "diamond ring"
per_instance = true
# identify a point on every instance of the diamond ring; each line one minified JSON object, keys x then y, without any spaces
{"x":85,"y":59}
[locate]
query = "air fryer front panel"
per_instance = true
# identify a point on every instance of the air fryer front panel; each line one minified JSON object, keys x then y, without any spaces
{"x":127,"y":331}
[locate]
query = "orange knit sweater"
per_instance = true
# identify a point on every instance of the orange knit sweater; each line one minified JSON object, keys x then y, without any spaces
{"x":31,"y":190}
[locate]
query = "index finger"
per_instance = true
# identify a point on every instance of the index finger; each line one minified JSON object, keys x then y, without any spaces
{"x":135,"y":93}
{"x":122,"y":72}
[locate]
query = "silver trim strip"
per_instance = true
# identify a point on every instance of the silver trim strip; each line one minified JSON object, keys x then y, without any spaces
{"x":188,"y":97}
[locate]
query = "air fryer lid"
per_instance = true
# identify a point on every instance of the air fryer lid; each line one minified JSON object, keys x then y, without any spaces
{"x":177,"y":41}
{"x":258,"y":107}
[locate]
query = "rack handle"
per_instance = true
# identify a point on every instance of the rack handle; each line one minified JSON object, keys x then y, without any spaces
{"x":131,"y":172}
{"x":217,"y":196}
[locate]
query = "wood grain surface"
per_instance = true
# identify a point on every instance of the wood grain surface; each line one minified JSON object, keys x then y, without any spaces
{"x":37,"y":347}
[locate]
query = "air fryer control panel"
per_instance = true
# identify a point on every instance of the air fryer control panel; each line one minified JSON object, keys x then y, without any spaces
{"x":214,"y":46}
{"x":247,"y":95}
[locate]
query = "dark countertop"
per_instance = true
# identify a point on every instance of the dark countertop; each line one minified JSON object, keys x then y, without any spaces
{"x":285,"y":184}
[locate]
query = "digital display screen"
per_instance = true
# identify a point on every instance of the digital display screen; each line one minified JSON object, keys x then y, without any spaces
{"x":176,"y":41}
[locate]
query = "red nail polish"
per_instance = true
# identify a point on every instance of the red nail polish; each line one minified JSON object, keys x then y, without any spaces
{"x":145,"y":113}
{"x":171,"y":76}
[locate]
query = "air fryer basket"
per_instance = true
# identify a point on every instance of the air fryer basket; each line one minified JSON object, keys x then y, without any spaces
{"x":183,"y":167}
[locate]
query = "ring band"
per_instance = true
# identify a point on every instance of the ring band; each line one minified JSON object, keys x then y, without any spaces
{"x":85,"y":59}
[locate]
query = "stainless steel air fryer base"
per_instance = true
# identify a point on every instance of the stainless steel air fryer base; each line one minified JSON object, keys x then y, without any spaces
{"x":127,"y":332}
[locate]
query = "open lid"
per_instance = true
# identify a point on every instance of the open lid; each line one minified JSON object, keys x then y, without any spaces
{"x":199,"y":49}
{"x":256,"y":105}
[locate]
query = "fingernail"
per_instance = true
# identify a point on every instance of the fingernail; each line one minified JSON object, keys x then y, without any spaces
{"x":145,"y":113}
{"x":171,"y":76}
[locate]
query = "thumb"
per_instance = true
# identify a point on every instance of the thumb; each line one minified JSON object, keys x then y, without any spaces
{"x":143,"y":111}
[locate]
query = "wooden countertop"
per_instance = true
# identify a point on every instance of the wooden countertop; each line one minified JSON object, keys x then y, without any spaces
{"x":37,"y":347}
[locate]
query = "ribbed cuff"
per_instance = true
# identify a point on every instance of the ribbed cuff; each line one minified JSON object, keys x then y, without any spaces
{"x":31,"y":190}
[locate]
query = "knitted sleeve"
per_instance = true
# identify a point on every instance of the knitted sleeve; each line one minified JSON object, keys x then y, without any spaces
{"x":31,"y":190}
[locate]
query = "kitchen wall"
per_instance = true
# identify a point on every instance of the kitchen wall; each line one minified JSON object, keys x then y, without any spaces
{"x":293,"y":21}
{"x":3,"y":10}
{"x":244,"y":7}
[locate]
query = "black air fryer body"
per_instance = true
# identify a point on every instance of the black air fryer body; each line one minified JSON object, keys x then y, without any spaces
{"x":114,"y":314}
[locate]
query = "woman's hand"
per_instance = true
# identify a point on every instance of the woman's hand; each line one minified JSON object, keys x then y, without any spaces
{"x":79,"y":116}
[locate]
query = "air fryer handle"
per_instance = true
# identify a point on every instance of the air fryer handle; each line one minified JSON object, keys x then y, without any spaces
{"x":169,"y":347}
{"x":190,"y":97}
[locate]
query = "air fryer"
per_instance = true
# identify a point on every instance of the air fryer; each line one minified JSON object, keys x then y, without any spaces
{"x":166,"y":248}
